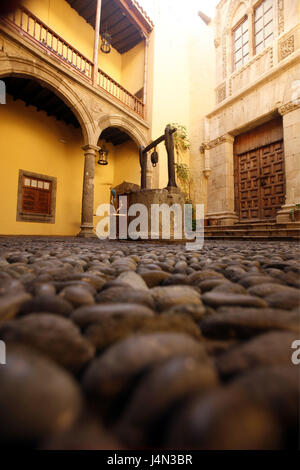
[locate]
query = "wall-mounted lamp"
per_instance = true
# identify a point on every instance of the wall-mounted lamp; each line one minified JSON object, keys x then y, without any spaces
{"x":103,"y":154}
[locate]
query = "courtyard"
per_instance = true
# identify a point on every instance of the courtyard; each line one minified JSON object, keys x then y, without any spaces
{"x":142,"y":346}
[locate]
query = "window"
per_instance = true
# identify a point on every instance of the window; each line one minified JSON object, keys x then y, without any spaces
{"x":241,"y":44}
{"x":36,"y":198}
{"x":263,"y":25}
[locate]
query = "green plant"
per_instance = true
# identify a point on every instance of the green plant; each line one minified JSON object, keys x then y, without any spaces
{"x":181,"y":140}
{"x":182,"y":144}
{"x":292,"y":212}
{"x":185,"y":180}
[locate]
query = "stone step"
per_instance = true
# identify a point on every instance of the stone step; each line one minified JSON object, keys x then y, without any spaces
{"x":258,"y":231}
{"x":295,"y":226}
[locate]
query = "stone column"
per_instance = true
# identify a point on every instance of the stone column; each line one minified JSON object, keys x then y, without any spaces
{"x":291,"y":136}
{"x":87,"y":212}
{"x":221,"y":182}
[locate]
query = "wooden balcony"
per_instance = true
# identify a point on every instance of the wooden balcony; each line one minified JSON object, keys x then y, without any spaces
{"x":35,"y":30}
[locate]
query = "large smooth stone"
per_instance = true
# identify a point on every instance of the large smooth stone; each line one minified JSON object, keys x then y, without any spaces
{"x":160,"y":389}
{"x":10,"y":286}
{"x":115,"y":328}
{"x":133,"y":280}
{"x":232,"y":322}
{"x":11,"y":304}
{"x":111,"y":373}
{"x":126,"y":295}
{"x":177,"y":280}
{"x":284,"y":299}
{"x":77,"y":296}
{"x":195,"y":311}
{"x":201,"y":276}
{"x":220,"y":299}
{"x":230,"y":288}
{"x":265,"y":290}
{"x":276,"y":388}
{"x":223,"y":420}
{"x":168,"y":297}
{"x":254,"y":280}
{"x":273,"y":348}
{"x":48,"y":304}
{"x":154,"y":278}
{"x":55,"y":336}
{"x":85,"y":316}
{"x":37,"y":397}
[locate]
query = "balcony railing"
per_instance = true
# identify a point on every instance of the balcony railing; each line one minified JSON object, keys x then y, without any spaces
{"x":108,"y":84}
{"x":31,"y":27}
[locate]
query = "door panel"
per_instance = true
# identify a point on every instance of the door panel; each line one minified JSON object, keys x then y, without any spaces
{"x":260,"y":182}
{"x":273,"y":180}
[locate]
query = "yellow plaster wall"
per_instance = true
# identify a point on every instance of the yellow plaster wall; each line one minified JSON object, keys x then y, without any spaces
{"x":133,"y":68}
{"x":183,"y":82}
{"x":66,"y":22}
{"x":30,"y":140}
{"x":33,"y":141}
{"x":127,"y":167}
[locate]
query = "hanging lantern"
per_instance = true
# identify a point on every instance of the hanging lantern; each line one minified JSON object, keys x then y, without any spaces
{"x":103,"y":154}
{"x":106,"y":43}
{"x":154,"y":158}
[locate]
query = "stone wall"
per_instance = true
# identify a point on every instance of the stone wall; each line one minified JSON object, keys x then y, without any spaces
{"x":267,"y":86}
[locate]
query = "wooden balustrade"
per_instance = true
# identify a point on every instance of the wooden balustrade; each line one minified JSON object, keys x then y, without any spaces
{"x":108,"y":84}
{"x":27,"y":24}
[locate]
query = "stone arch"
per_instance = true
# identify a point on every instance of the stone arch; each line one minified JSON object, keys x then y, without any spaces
{"x":124,"y":124}
{"x":233,"y":10}
{"x":27,"y":68}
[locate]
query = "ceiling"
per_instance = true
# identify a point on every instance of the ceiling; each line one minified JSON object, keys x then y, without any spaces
{"x":43,"y":99}
{"x":32,"y":93}
{"x":115,"y":136}
{"x":120,"y":18}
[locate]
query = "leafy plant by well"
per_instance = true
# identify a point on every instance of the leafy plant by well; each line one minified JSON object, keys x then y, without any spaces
{"x":182,"y":145}
{"x":181,"y":140}
{"x":295,"y":213}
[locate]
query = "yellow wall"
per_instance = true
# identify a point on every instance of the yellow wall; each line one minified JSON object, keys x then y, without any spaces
{"x":126,"y":69}
{"x":30,"y":140}
{"x":183,"y":81}
{"x":133,"y":68}
{"x":127,"y":167}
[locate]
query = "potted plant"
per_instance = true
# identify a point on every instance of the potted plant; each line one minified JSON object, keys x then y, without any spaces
{"x":295,"y":214}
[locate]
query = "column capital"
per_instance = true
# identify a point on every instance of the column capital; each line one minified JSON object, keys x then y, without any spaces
{"x":226,"y":138}
{"x":90,"y":149}
{"x":288,"y":107}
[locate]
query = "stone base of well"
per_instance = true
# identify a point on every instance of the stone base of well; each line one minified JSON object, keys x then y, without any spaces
{"x":168,"y":197}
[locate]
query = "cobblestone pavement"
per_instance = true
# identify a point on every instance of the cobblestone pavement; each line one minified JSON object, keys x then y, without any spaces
{"x":114,"y":345}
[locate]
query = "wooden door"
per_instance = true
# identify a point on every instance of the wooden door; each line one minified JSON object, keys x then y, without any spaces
{"x":259,"y":173}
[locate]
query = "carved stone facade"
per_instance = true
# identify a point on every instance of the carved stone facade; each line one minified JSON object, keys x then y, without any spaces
{"x":265,"y":87}
{"x":221,"y":93}
{"x":288,"y":44}
{"x":280,"y":16}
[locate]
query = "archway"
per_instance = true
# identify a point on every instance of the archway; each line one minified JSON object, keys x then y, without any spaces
{"x":123,"y":163}
{"x":41,"y":160}
{"x":21,"y":67}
